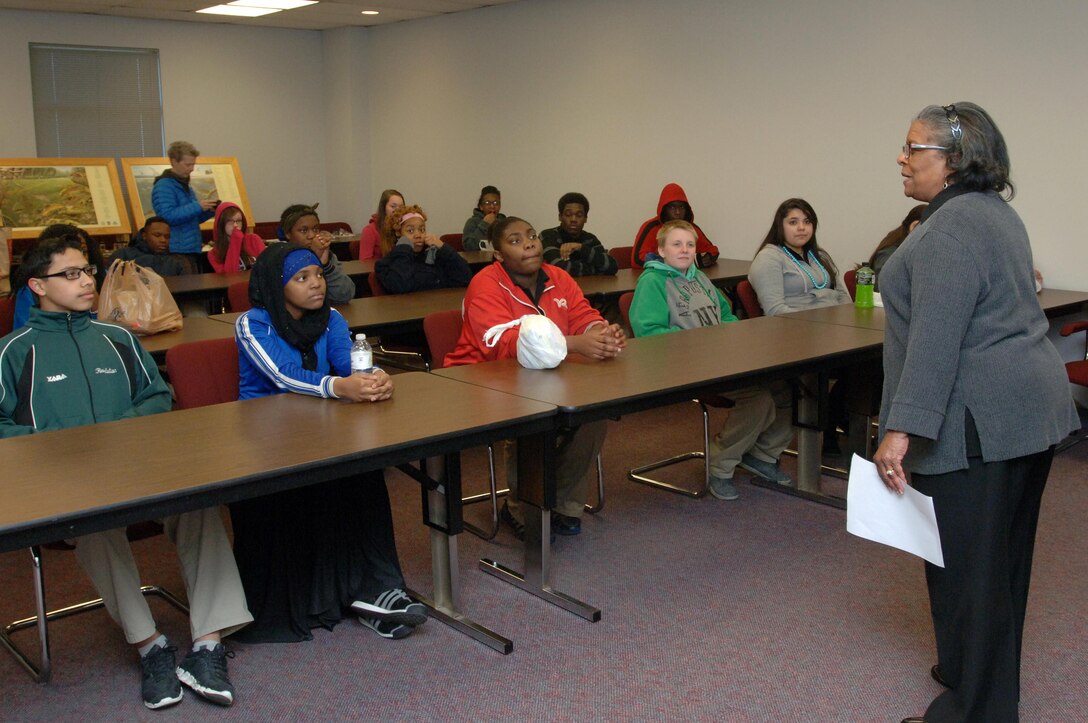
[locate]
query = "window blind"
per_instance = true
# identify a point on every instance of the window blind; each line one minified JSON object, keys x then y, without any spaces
{"x":96,"y":102}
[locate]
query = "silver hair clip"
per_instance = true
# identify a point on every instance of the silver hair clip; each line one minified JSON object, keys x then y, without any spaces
{"x":953,"y":122}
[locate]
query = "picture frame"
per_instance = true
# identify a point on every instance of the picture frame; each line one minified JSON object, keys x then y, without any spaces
{"x":214,"y":177}
{"x":38,"y":192}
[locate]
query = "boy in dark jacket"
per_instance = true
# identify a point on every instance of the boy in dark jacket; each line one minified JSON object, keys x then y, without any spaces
{"x":671,"y":206}
{"x":65,"y":369}
{"x":150,"y":247}
{"x":570,"y":247}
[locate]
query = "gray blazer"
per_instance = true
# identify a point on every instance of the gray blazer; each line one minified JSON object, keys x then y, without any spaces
{"x":964,"y":330}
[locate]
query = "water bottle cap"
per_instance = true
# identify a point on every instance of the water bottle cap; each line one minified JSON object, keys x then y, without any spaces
{"x":360,"y":337}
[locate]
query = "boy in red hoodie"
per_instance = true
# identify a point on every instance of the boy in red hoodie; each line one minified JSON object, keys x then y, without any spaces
{"x":518,"y":284}
{"x":672,"y":206}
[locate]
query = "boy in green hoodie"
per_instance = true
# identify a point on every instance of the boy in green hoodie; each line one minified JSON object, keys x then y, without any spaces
{"x":673,"y":295}
{"x":65,"y":369}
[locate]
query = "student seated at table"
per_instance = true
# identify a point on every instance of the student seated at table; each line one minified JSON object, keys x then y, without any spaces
{"x":475,"y":233}
{"x":420,"y":260}
{"x":374,"y":242}
{"x":671,"y":206}
{"x":150,"y":247}
{"x":520,"y":284}
{"x":570,"y":247}
{"x":672,"y":295}
{"x":309,"y":555}
{"x":791,"y":272}
{"x":233,"y":247}
{"x":299,"y":224}
{"x":65,"y":369}
{"x":25,"y":299}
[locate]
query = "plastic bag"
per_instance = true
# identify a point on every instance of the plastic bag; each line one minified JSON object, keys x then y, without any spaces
{"x":541,"y":345}
{"x":137,"y":298}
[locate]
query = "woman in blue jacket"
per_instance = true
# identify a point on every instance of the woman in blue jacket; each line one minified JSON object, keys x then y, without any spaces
{"x":309,"y":555}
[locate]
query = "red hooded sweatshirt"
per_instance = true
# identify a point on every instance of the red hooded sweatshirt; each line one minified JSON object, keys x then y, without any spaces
{"x":239,"y":240}
{"x":646,"y":238}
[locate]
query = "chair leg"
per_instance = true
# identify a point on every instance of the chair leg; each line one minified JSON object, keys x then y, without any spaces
{"x":492,"y":494}
{"x":42,"y":672}
{"x":594,"y":509}
{"x":636,"y":474}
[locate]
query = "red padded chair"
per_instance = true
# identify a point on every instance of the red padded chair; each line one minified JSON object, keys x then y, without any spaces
{"x":238,"y":296}
{"x":453,"y":240}
{"x":203,"y":372}
{"x":622,"y":255}
{"x":749,"y":299}
{"x":376,"y":288}
{"x":7,"y":314}
{"x":443,"y":329}
{"x":850,"y":278}
{"x":717,"y":401}
{"x":1077,"y":370}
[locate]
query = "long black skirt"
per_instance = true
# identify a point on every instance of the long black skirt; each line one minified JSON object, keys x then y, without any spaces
{"x":305,"y":555}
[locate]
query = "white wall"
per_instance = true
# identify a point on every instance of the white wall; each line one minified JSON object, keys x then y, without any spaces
{"x":254,"y":93}
{"x":742,"y":103}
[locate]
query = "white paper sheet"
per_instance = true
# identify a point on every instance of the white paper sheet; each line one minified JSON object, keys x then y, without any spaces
{"x":876,"y":513}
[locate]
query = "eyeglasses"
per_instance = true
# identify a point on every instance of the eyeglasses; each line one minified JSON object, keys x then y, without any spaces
{"x":73,"y":273}
{"x":909,"y":147}
{"x":489,"y":203}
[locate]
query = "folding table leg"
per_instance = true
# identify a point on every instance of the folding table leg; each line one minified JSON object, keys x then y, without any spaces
{"x":444,"y":566}
{"x":42,"y":672}
{"x":535,"y":460}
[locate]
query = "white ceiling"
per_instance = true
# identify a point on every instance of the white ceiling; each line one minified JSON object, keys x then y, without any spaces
{"x":326,"y":15}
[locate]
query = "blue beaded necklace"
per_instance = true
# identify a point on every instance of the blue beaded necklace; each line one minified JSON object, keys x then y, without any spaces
{"x":814,"y":259}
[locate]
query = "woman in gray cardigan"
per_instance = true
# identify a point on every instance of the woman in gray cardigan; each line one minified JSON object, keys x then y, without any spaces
{"x":975,"y":397}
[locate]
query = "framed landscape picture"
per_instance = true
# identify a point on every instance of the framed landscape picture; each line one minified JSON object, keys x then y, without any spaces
{"x":85,"y":192}
{"x":216,"y":177}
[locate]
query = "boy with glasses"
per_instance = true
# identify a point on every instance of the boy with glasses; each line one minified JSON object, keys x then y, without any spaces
{"x":64,"y":369}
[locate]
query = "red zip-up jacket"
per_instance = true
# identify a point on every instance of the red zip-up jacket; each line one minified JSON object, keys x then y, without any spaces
{"x":493,"y":298}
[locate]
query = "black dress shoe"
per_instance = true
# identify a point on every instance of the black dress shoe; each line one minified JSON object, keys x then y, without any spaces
{"x":564,"y":525}
{"x":935,"y":672}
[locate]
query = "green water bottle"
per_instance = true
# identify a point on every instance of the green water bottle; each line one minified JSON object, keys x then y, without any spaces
{"x":863,"y":293}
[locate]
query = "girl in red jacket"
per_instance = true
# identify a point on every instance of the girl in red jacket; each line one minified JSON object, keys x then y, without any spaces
{"x":519,"y":284}
{"x":233,"y":248}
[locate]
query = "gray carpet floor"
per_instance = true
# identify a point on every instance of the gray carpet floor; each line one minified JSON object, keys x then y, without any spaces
{"x":763,"y":609}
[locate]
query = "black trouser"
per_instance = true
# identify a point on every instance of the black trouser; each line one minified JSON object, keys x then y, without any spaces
{"x":987,"y":515}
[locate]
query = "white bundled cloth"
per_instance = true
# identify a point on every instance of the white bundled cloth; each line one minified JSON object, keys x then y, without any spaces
{"x":541,"y":345}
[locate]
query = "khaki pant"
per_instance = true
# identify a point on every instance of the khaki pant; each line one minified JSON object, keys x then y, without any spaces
{"x":576,"y":468}
{"x":216,"y":599}
{"x":759,"y":424}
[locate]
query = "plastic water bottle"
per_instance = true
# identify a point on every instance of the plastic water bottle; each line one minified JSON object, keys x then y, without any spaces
{"x":362,"y":357}
{"x":863,"y":293}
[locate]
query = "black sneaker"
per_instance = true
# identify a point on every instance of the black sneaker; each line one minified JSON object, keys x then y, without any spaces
{"x":392,"y":606}
{"x":387,"y":628}
{"x":205,"y":671}
{"x":160,"y":686}
{"x":515,"y":525}
{"x":563,"y":525}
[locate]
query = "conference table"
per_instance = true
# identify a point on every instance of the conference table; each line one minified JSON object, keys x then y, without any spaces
{"x":194,"y":328}
{"x":214,"y":286}
{"x":1054,"y":302}
{"x":652,"y":372}
{"x":725,"y":273}
{"x":98,"y":477}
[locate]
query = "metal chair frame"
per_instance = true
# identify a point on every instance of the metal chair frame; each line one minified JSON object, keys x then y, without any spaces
{"x":43,"y":671}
